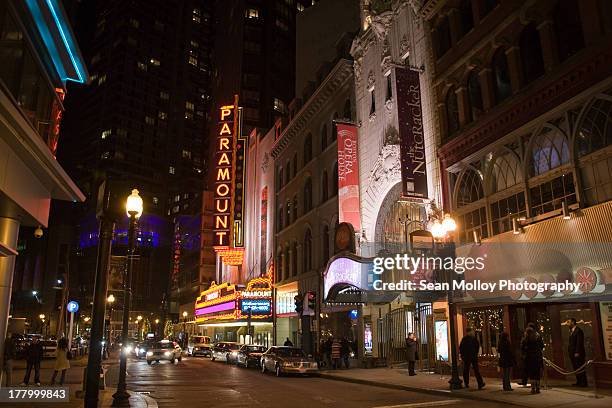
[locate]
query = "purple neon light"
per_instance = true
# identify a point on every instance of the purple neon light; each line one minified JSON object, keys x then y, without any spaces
{"x":216,"y":308}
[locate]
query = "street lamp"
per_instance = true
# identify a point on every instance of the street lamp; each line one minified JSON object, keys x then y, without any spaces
{"x":139,"y":320}
{"x":184,"y":331}
{"x":440,"y":232}
{"x":133,"y":207}
{"x":110,"y":300}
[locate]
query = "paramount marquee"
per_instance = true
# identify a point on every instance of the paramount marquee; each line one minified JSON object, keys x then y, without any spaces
{"x":228,"y":238}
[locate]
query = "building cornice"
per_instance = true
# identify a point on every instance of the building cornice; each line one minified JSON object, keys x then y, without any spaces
{"x":339,"y":75}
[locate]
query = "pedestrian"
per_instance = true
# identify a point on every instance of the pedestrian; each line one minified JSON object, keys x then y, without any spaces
{"x":345,"y":351}
{"x":533,"y":348}
{"x":62,"y":362}
{"x":468,"y":349}
{"x":336,"y":353}
{"x":524,"y":379}
{"x":288,"y":343}
{"x":506,"y":359}
{"x":328,"y":351}
{"x":10,"y":354}
{"x":33,"y":354}
{"x":411,"y":352}
{"x":577,"y":353}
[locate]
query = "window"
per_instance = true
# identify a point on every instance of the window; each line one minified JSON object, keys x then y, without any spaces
{"x":474,"y":94}
{"x":155,"y":200}
{"x":467,"y":18}
{"x":149,"y":120}
{"x":189,"y":106}
{"x":134,"y":23}
{"x":162,"y":115}
{"x":568,"y":28}
{"x":279,"y":106}
{"x":106,"y":133}
{"x":595,"y":130}
{"x":488,"y":325}
{"x":279,"y":178}
{"x":506,"y":172}
{"x":389,"y":94}
{"x":531,"y":54}
{"x":102,"y":79}
{"x":294,"y":258}
{"x":307,"y":195}
{"x":348,"y":111}
{"x":294,"y":207}
{"x":324,"y":190}
{"x":280,"y":218}
{"x":324,"y":137}
{"x":504,"y":210}
{"x":288,"y":209}
{"x":442,"y":37}
{"x":186,"y":154}
{"x":549,"y":151}
{"x":473,"y":221}
{"x":295,"y":164}
{"x":372,"y":102}
{"x":251,"y":13}
{"x":193,"y":60}
{"x":550,"y":195}
{"x":325,"y":244}
{"x":307,"y":251}
{"x":470,"y":188}
{"x":335,"y":179}
{"x":300,"y":7}
{"x":122,"y":132}
{"x":155,"y":62}
{"x":288,"y":171}
{"x":308,"y":149}
{"x":452,"y":113}
{"x":177,"y":198}
{"x":171,"y":170}
{"x":196,"y":15}
{"x":142,"y":66}
{"x":501,"y":76}
{"x":164,"y":95}
{"x":194,"y":44}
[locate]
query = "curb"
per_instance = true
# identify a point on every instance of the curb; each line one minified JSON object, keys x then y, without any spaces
{"x":429,"y":391}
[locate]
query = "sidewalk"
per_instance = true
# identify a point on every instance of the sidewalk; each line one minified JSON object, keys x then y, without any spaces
{"x":436,"y":384}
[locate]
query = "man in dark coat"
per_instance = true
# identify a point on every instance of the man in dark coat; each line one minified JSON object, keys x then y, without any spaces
{"x":10,"y":354}
{"x":577,"y":353}
{"x":288,"y":343}
{"x":33,"y":355}
{"x":411,"y":352}
{"x":468,"y":349}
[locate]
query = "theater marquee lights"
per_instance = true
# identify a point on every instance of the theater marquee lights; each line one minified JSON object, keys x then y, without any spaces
{"x":230,"y":172}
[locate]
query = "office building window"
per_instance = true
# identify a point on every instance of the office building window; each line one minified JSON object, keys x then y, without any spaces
{"x":171,"y":170}
{"x":251,"y":13}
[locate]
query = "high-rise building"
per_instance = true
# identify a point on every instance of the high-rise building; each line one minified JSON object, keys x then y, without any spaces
{"x":140,"y":123}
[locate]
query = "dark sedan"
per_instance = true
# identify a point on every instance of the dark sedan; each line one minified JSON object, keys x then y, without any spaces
{"x":250,"y":355}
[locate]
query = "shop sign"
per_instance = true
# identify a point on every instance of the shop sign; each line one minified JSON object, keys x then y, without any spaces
{"x":441,"y":328}
{"x":255,"y":306}
{"x":348,"y":175}
{"x":412,"y":141}
{"x":223,"y":176}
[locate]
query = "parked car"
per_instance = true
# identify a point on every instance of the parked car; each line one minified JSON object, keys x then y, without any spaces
{"x":222,"y":351}
{"x":287,"y":360}
{"x":199,"y":345}
{"x":250,"y":355}
{"x":164,"y":350}
{"x":49,"y":348}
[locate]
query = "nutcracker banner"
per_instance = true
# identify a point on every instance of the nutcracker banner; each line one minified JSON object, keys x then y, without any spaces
{"x":348,"y":175}
{"x":412,"y":143}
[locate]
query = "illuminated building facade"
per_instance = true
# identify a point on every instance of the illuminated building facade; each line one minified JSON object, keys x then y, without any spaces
{"x":524,"y":102}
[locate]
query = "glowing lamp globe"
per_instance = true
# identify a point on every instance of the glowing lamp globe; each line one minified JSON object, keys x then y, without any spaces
{"x":133,"y":206}
{"x":437,"y":230}
{"x":449,"y":223}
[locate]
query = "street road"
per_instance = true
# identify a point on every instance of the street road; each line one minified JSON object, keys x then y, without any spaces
{"x":199,"y":382}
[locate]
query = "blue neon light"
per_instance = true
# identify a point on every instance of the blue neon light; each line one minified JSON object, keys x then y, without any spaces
{"x":68,"y":47}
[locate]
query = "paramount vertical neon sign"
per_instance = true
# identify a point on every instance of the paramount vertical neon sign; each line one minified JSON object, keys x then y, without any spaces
{"x":223,"y":176}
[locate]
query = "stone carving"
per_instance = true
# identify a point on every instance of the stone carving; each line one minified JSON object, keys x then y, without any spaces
{"x":265,"y":162}
{"x":357,"y":69}
{"x":387,"y":167}
{"x":381,"y":24}
{"x":371,"y":79}
{"x":404,"y":47}
{"x":416,"y":6}
{"x":391,"y":136}
{"x":386,"y":62}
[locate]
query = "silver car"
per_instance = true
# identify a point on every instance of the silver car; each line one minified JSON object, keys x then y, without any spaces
{"x":287,"y":360}
{"x":164,"y":350}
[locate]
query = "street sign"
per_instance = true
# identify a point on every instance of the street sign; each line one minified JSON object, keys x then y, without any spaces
{"x":72,"y":306}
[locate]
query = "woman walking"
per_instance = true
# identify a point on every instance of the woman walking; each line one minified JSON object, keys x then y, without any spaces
{"x":506,"y":359}
{"x":533,"y":347}
{"x":61,"y":361}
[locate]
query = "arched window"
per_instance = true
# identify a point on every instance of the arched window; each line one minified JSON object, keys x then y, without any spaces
{"x":307,"y":149}
{"x":501,"y":76}
{"x":474,"y":94}
{"x":467,"y":18}
{"x":550,"y":150}
{"x":324,"y":190}
{"x":325,"y":244}
{"x":287,"y":171}
{"x":288,"y":213}
{"x":279,"y":218}
{"x":595,"y":129}
{"x":335,"y":179}
{"x":470,"y":188}
{"x":307,"y":195}
{"x":307,"y":251}
{"x":334,"y":127}
{"x":279,"y":266}
{"x":452,"y":112}
{"x":287,"y":270}
{"x":294,"y":207}
{"x":295,"y":164}
{"x":506,"y":172}
{"x":324,"y":138}
{"x":294,"y":258}
{"x":279,"y":178}
{"x":531,"y":53}
{"x":442,"y":37}
{"x":568,"y":28}
{"x":348,"y":112}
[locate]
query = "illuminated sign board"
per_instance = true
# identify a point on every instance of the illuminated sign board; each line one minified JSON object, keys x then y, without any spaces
{"x":256,"y":306}
{"x":223,"y":176}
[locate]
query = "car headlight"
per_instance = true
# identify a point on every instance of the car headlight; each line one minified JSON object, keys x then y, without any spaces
{"x":234,"y":353}
{"x":167,"y":354}
{"x":149,"y":353}
{"x":287,"y":364}
{"x":128,"y":349}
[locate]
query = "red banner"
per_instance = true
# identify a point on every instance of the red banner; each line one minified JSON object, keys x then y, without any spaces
{"x":348,"y":175}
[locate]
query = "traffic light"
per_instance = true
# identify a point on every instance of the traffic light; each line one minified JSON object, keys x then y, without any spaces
{"x":299,"y":303}
{"x":312,"y":301}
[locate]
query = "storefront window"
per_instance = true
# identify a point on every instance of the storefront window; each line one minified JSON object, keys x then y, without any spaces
{"x":488,"y":323}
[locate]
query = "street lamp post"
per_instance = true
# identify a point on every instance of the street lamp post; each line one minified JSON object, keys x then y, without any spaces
{"x":139,"y":319}
{"x":133,"y":208}
{"x":156,"y":327}
{"x":184,"y":329}
{"x":440,"y":231}
{"x":110,"y":300}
